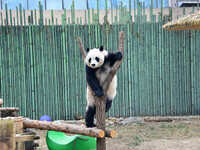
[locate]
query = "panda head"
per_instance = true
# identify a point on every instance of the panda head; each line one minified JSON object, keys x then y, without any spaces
{"x":95,"y":57}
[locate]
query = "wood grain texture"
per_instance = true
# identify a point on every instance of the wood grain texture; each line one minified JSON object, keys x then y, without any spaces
{"x":7,"y":134}
{"x":67,"y":128}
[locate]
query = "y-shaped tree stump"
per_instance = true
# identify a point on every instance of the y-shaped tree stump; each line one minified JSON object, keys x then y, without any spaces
{"x":101,"y":101}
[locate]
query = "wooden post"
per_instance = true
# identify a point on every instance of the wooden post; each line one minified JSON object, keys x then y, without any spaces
{"x":7,"y":135}
{"x":100,"y":120}
{"x":20,"y":145}
{"x":100,"y":101}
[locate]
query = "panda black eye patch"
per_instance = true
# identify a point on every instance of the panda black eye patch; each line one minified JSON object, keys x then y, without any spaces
{"x":97,"y":59}
{"x":90,"y":60}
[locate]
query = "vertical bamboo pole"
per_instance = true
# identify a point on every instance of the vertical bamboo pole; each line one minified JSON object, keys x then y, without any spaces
{"x":1,"y":103}
{"x":30,"y":30}
{"x":63,"y":7}
{"x":27,"y":4}
{"x":45,"y":4}
{"x":1,"y":66}
{"x":64,"y":48}
{"x":98,"y":10}
{"x":1,"y":4}
{"x":73,"y":13}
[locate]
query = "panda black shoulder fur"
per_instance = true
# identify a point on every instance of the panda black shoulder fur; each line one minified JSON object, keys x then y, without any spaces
{"x":99,"y":63}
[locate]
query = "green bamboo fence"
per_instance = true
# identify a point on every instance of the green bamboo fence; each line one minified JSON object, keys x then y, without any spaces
{"x":42,"y":72}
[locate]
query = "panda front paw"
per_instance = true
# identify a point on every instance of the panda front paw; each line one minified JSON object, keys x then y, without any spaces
{"x":119,"y":55}
{"x":99,"y":93}
{"x":90,"y":125}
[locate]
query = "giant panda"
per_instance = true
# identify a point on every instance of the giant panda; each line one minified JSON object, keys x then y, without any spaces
{"x":99,"y":63}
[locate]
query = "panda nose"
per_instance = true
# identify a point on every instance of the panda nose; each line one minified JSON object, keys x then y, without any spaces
{"x":93,"y":65}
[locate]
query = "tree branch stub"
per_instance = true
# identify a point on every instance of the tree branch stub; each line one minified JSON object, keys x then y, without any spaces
{"x":82,"y":49}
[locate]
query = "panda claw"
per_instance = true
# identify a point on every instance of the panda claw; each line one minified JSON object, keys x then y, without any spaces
{"x":119,"y":55}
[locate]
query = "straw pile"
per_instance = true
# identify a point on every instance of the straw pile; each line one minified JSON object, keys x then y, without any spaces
{"x":189,"y":22}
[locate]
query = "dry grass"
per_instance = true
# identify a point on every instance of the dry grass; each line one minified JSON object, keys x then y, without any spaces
{"x":131,"y":136}
{"x":189,"y":22}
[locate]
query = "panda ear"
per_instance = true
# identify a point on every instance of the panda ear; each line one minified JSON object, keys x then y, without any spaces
{"x":101,"y":48}
{"x":87,"y":50}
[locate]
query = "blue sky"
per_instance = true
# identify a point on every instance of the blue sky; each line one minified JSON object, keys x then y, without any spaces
{"x":79,"y":4}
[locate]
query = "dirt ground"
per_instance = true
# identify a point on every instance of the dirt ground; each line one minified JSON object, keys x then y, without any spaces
{"x":176,"y":135}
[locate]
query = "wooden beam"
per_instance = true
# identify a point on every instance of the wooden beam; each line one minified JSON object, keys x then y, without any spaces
{"x":24,"y":138}
{"x":7,"y":135}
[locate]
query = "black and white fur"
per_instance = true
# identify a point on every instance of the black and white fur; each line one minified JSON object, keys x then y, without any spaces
{"x":99,"y":63}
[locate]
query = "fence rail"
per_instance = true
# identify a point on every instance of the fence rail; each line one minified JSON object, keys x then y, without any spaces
{"x":62,"y":4}
{"x":120,"y":15}
{"x":42,"y":71}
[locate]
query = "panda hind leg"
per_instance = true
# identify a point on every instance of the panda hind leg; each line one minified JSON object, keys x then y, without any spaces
{"x":108,"y":104}
{"x":89,"y":116}
{"x":111,"y":93}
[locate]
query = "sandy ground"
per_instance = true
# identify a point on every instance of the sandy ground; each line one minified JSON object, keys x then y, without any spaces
{"x":176,"y":135}
{"x":174,"y":144}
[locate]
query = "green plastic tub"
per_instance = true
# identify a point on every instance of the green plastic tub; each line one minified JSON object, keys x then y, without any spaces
{"x":60,"y":141}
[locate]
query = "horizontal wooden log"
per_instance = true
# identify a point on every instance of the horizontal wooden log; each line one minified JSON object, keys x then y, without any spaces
{"x":9,"y":112}
{"x":67,"y":128}
{"x":24,"y":138}
{"x":11,"y":109}
{"x":158,"y":119}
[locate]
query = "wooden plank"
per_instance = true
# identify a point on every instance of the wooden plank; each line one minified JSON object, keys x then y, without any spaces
{"x":20,"y":146}
{"x":7,"y":135}
{"x":9,"y":111}
{"x":23,"y":138}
